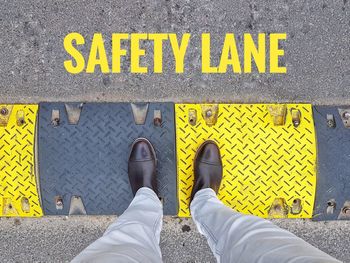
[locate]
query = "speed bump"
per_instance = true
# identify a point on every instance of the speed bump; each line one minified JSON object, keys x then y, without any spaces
{"x":84,"y":150}
{"x":333,"y":185}
{"x":18,"y":191}
{"x":268,"y":153}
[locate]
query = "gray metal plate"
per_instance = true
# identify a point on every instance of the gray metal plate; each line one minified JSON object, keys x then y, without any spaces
{"x":333,"y":177}
{"x":90,"y":159}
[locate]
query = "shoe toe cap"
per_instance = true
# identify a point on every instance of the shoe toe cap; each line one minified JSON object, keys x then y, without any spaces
{"x":141,"y":150}
{"x":210,"y":152}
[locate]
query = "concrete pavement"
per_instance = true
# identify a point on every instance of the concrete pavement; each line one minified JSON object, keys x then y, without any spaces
{"x":317,"y":50}
{"x":59,"y":239}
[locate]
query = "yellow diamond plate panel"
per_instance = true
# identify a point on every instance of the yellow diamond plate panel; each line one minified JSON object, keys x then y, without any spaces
{"x":264,"y":163}
{"x":18,"y":191}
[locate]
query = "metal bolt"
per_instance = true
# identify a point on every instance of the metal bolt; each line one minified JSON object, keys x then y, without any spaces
{"x":296,"y":116}
{"x":4,"y":111}
{"x":296,"y":123}
{"x":55,"y":122}
{"x":346,"y":115}
{"x":346,"y":210}
{"x":331,"y":204}
{"x":209,"y":113}
{"x":59,"y":202}
{"x":278,"y":208}
{"x":192,"y":116}
{"x":296,"y":206}
{"x":20,"y":121}
{"x":25,"y":204}
{"x":157,"y":122}
{"x":330,"y":121}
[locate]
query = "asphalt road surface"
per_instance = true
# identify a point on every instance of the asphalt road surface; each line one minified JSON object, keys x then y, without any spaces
{"x":317,"y":52}
{"x":59,"y":239}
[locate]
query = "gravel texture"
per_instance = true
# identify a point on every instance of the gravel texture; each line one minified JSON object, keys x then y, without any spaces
{"x":316,"y":51}
{"x":59,"y":239}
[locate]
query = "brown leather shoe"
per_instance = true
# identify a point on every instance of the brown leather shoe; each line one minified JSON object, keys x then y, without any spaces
{"x":207,"y":168}
{"x":142,"y":166}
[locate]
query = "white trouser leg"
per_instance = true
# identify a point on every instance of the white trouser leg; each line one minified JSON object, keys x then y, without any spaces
{"x":234,"y":237}
{"x":133,"y":237}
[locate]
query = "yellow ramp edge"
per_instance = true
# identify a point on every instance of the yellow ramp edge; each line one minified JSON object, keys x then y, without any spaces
{"x":18,"y":192}
{"x":269,"y":170}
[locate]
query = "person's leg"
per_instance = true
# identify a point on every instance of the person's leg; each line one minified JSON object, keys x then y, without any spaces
{"x":135,"y":235}
{"x":234,"y":237}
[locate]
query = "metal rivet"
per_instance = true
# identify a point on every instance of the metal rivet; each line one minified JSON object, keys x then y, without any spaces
{"x":209,"y":113}
{"x":25,"y":204}
{"x":4,"y":111}
{"x":55,"y":118}
{"x":278,"y":209}
{"x":346,"y":210}
{"x":296,"y":117}
{"x":296,"y":207}
{"x":192,"y":117}
{"x":20,"y":117}
{"x":346,"y":115}
{"x":59,"y":202}
{"x":330,"y":121}
{"x":331,"y":204}
{"x":157,"y":119}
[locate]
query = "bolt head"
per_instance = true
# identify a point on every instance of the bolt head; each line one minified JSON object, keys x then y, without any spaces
{"x":346,"y":115}
{"x":330,"y":123}
{"x":4,"y":111}
{"x":157,"y":121}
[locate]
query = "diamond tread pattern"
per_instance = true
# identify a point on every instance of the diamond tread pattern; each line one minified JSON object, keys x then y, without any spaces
{"x":17,"y":169}
{"x":261,"y":161}
{"x":333,"y":163}
{"x":90,"y":159}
